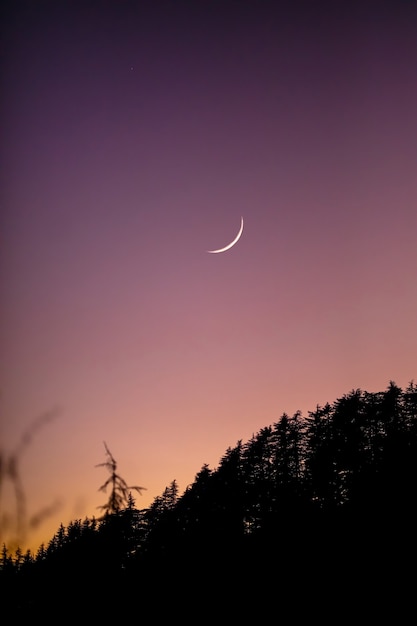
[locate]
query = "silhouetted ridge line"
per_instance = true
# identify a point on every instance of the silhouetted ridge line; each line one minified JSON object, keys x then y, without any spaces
{"x":327,"y":499}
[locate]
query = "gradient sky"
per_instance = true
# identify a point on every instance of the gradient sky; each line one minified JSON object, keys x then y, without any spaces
{"x":134,"y":137}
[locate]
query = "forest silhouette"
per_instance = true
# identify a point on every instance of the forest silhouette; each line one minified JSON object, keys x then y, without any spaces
{"x":312,"y":517}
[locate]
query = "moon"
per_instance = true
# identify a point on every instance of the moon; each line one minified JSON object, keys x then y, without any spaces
{"x":232,"y":243}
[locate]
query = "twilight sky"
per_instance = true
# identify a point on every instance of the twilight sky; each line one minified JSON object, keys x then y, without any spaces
{"x":134,"y":137}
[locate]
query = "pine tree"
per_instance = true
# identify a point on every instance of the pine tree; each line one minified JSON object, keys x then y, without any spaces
{"x":18,"y":558}
{"x":6,"y":561}
{"x":41,"y":553}
{"x":170,"y":496}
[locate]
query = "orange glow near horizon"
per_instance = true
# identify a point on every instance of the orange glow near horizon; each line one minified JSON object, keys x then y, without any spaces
{"x":118,"y":181}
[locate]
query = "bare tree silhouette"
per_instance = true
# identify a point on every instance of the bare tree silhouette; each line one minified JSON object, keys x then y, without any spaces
{"x":120,"y":490}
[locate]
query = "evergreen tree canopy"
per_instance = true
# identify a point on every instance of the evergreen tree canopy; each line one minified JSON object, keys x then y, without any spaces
{"x":310,"y":507}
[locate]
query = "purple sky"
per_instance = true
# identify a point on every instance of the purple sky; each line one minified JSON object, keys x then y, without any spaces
{"x":135,"y":135}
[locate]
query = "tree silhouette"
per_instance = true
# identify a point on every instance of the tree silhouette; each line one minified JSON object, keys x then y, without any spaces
{"x":120,"y":490}
{"x":308,"y":510}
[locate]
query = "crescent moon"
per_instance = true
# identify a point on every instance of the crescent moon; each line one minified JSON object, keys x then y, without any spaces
{"x":232,"y":243}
